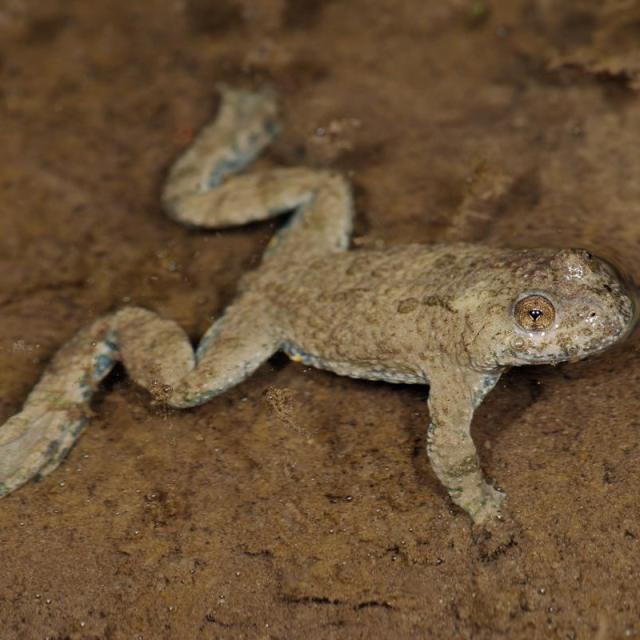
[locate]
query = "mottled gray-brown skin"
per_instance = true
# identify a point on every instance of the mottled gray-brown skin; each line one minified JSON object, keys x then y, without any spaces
{"x":442,"y":316}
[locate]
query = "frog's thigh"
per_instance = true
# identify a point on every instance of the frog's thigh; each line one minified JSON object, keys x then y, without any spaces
{"x":155,"y":351}
{"x":453,"y":396}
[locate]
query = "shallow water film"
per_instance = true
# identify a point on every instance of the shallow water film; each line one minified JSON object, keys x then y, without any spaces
{"x":300,"y":503}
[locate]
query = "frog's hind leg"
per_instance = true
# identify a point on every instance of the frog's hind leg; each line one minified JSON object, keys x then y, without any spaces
{"x":157,"y":354}
{"x":203,"y":191}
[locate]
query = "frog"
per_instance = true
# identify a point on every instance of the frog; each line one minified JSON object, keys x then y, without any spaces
{"x":451,"y":317}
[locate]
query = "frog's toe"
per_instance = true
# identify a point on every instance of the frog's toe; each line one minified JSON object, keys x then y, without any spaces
{"x":33,"y":445}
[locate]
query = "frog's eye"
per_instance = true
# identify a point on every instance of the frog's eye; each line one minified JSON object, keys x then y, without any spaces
{"x":535,"y":313}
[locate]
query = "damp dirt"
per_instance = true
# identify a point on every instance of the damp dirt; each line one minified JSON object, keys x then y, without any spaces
{"x":301,"y":504}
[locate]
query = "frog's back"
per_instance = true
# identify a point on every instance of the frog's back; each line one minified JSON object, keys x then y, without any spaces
{"x":352,"y":311}
{"x":367,"y":277}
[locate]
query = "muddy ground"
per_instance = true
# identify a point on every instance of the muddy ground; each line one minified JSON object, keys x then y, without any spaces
{"x":300,"y":504}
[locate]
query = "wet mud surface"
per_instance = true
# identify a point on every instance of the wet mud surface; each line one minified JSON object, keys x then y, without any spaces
{"x":301,"y":504}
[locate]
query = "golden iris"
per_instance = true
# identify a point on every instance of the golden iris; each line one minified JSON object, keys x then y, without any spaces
{"x":535,"y":313}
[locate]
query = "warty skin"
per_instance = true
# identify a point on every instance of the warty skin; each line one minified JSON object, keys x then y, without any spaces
{"x":453,"y":317}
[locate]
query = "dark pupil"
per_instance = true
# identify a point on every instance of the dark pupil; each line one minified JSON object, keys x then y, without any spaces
{"x":535,"y":314}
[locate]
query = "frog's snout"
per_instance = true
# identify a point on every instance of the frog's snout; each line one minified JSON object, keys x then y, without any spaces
{"x":632,"y":312}
{"x":621,"y":297}
{"x":620,"y":315}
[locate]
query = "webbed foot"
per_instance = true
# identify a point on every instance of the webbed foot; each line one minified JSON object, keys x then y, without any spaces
{"x":33,"y":445}
{"x":485,"y":505}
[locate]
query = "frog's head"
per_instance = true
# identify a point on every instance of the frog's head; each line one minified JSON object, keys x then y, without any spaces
{"x":559,"y":306}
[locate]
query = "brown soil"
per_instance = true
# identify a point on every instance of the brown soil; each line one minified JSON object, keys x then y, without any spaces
{"x":300,"y":504}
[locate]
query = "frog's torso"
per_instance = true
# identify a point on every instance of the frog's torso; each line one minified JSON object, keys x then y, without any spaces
{"x":369,"y":314}
{"x":387,"y":314}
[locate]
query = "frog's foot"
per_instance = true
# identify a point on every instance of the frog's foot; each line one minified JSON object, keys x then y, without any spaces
{"x":496,"y":533}
{"x":158,"y":355}
{"x":480,"y":500}
{"x":31,"y":445}
{"x":203,"y":190}
{"x":34,"y":441}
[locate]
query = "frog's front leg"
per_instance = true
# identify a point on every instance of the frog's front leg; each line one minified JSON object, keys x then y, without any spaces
{"x":454,"y":394}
